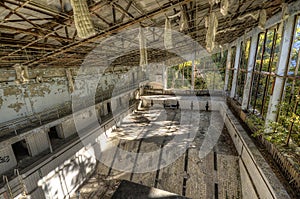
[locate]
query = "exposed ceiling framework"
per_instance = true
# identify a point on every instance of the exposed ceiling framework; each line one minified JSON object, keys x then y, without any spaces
{"x":41,"y":33}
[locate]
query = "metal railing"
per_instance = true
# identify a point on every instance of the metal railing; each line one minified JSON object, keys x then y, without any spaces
{"x":20,"y":125}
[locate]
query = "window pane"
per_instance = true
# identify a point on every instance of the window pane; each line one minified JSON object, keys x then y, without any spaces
{"x":231,"y":72}
{"x":242,"y":71}
{"x":276,"y":52}
{"x":259,"y":51}
{"x":268,"y":50}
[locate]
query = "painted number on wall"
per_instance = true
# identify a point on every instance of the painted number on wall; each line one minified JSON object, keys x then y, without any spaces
{"x":4,"y":159}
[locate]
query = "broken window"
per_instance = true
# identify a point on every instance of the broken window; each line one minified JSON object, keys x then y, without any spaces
{"x":20,"y":149}
{"x":231,"y":70}
{"x":242,"y":70}
{"x":290,"y":106}
{"x":264,"y":70}
{"x":54,"y":137}
{"x":108,"y":108}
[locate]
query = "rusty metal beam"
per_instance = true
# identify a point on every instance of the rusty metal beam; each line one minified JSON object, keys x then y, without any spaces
{"x":118,"y":7}
{"x":101,"y":18}
{"x":126,"y":9}
{"x":109,"y":31}
{"x":33,"y":6}
{"x":28,"y":32}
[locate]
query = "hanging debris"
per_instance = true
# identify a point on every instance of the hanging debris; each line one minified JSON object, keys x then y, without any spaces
{"x":82,"y":19}
{"x":212,"y":26}
{"x":22,"y":75}
{"x":168,"y":34}
{"x":183,"y":24}
{"x":224,"y":7}
{"x":284,"y":16}
{"x":143,"y":49}
{"x":39,"y":79}
{"x":262,"y":19}
{"x":213,"y":2}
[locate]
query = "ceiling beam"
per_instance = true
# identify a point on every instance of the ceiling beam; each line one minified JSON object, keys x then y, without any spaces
{"x":110,"y":30}
{"x":126,"y":9}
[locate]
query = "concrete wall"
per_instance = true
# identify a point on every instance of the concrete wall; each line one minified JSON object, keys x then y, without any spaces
{"x":38,"y":142}
{"x":7,"y":159}
{"x":258,"y":179}
{"x":248,"y":191}
{"x":67,"y":177}
{"x":68,"y":128}
{"x":21,"y":100}
{"x":58,"y":174}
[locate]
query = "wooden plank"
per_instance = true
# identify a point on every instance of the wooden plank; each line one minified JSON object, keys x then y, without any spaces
{"x":126,"y":145}
{"x":148,"y":145}
{"x":171,"y":177}
{"x":229,"y":176}
{"x":195,"y":186}
{"x":200,"y":175}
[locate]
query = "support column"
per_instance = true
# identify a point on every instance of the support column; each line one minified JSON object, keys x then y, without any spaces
{"x":281,"y":70}
{"x":251,"y":65}
{"x":193,"y":75}
{"x":228,"y":65}
{"x":236,"y":67}
{"x":165,"y":76}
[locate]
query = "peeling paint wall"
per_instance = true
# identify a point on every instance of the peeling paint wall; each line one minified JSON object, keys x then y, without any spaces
{"x":50,"y":88}
{"x":7,"y":159}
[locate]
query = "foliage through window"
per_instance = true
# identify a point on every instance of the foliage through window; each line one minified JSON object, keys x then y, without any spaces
{"x":289,"y":116}
{"x":242,"y":70}
{"x":264,"y":71}
{"x":231,"y":70}
{"x":209,"y":73}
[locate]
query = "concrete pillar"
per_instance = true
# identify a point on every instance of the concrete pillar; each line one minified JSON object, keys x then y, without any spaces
{"x":251,"y":65}
{"x":165,"y":76}
{"x":193,"y":75}
{"x":236,"y":67}
{"x":282,"y":64}
{"x":228,"y":65}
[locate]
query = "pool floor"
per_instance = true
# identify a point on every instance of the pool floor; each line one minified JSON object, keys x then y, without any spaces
{"x":216,"y":175}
